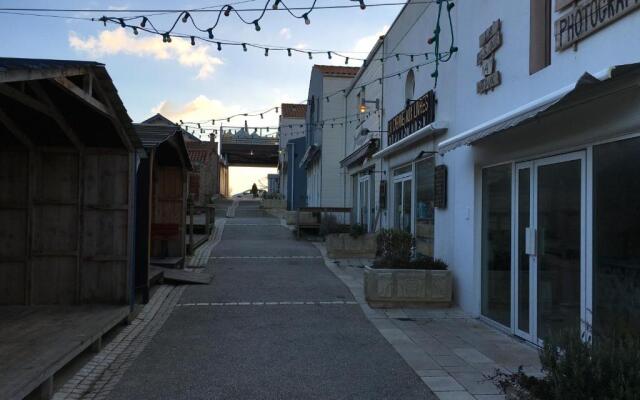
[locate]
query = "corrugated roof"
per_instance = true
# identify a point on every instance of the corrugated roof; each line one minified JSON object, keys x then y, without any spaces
{"x":335,"y":70}
{"x":294,"y":110}
{"x":13,"y":64}
{"x":152,"y":135}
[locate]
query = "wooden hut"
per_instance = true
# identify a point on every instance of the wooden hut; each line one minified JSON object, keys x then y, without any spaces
{"x":67,"y":162}
{"x":162,"y":183}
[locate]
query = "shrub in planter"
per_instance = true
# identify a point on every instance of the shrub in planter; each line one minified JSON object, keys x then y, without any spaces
{"x":605,"y":367}
{"x":329,"y":224}
{"x":397,"y":279}
{"x":394,"y":252}
{"x":357,"y":230}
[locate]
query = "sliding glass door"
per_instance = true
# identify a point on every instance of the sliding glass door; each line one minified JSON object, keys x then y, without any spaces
{"x":549,"y":246}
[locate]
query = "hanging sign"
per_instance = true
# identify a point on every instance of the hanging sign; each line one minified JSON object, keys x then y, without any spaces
{"x":440,"y":192}
{"x":416,"y":115}
{"x":490,"y":41}
{"x":590,"y":16}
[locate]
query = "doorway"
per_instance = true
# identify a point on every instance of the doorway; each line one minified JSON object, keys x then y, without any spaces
{"x":402,"y":196}
{"x":549,"y":221}
{"x":364,"y":202}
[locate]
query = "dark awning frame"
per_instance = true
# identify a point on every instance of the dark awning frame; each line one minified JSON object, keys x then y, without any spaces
{"x":365,"y":151}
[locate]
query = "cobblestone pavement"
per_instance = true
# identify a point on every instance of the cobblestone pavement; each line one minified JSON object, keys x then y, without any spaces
{"x":274,"y":324}
{"x":451,"y":352}
{"x":101,"y":374}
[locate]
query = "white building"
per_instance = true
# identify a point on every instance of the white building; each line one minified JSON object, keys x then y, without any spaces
{"x":363,"y":130}
{"x":290,"y":126}
{"x":325,"y":123}
{"x":520,"y":168}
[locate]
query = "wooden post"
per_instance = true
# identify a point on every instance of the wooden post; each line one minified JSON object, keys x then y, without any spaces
{"x":190,"y":204}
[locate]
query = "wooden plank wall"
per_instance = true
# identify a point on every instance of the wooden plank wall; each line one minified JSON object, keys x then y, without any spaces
{"x":105,"y":236}
{"x":169,"y":207}
{"x":64,"y":226}
{"x":14,"y":199}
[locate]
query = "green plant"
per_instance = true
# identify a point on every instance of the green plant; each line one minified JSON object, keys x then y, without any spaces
{"x":576,"y":367}
{"x":329,"y":224}
{"x":357,"y":230}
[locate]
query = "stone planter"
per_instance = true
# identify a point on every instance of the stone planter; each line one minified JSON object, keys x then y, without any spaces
{"x":274,"y":203}
{"x":306,"y":218}
{"x":388,"y":288}
{"x":343,"y":245}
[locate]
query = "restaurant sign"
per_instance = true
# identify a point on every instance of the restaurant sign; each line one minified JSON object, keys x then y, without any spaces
{"x":416,"y":115}
{"x":589,"y":16}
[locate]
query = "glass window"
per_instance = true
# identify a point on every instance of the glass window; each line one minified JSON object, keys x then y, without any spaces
{"x":616,"y":235}
{"x":402,"y":170}
{"x":424,"y":207}
{"x":496,"y":244}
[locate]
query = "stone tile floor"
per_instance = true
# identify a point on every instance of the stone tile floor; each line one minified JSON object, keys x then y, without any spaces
{"x":451,"y":352}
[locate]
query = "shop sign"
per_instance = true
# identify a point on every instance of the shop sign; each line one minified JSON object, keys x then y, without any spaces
{"x":440,"y":186}
{"x":490,"y":41}
{"x":589,"y":16}
{"x":416,"y":115}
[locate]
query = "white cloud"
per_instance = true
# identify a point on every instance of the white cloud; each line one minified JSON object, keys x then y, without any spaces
{"x":366,"y":43}
{"x":199,"y":109}
{"x":120,"y":41}
{"x":285,"y":33}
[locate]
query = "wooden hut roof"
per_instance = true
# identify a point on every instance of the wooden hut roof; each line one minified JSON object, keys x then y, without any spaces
{"x":155,"y":136}
{"x":58,"y":89}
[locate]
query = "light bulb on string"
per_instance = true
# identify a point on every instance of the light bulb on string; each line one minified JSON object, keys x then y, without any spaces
{"x":266,"y":52}
{"x":307,"y":21}
{"x":244,"y":46}
{"x":210,"y":32}
{"x":275,"y":5}
{"x":185,"y":17}
{"x":256,"y":25}
{"x":193,"y":41}
{"x":289,"y":52}
{"x":346,"y":60}
{"x":329,"y":54}
{"x":219,"y":46}
{"x":310,"y":56}
{"x":144,"y":22}
{"x":227,"y":11}
{"x":362,"y":5}
{"x":135,"y":30}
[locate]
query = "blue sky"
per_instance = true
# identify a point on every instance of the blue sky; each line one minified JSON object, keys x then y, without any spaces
{"x":185,"y":82}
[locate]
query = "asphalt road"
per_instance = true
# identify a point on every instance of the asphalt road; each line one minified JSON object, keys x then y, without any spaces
{"x":288,"y":351}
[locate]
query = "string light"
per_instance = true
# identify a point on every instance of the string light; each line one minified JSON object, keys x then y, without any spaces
{"x":244,"y":46}
{"x":307,"y":21}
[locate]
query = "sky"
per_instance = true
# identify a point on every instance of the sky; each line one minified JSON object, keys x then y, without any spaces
{"x":198,"y":82}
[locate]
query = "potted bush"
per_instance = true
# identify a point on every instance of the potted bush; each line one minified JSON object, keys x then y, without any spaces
{"x":354,"y":243}
{"x":396,"y":279}
{"x":603,"y":365}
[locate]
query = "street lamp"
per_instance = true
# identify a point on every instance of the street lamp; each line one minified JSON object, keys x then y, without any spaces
{"x":363,"y":104}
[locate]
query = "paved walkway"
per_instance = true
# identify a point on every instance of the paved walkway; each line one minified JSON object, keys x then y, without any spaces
{"x":275,"y":323}
{"x":452,"y":352}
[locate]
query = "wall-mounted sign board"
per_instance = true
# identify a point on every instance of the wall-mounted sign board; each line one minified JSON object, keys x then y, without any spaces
{"x":416,"y":115}
{"x":588,"y":17}
{"x":440,"y":193}
{"x":490,"y":41}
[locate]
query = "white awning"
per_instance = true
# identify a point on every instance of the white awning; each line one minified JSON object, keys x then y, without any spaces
{"x":567,"y":95}
{"x":433,"y":129}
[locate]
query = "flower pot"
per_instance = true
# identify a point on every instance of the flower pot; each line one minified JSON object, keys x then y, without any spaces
{"x":388,"y":288}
